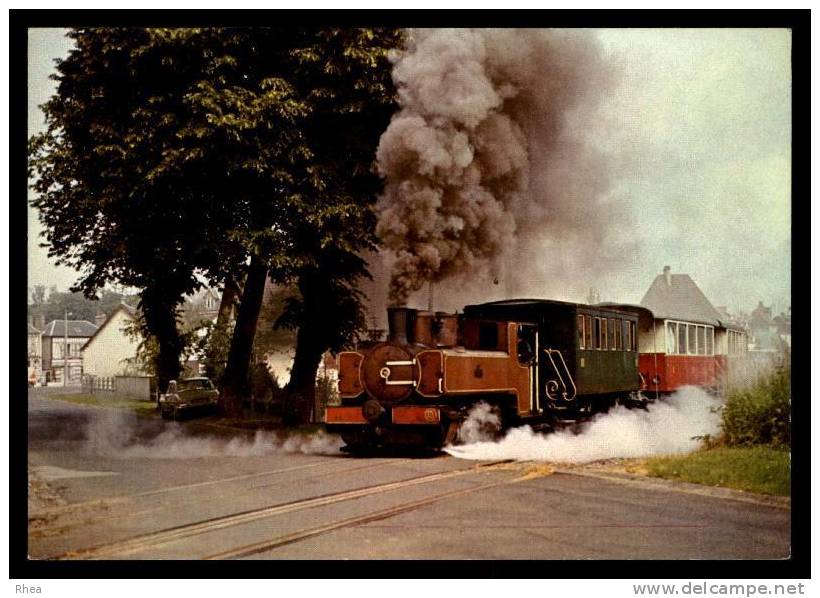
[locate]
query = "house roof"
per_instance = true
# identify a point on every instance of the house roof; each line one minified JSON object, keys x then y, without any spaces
{"x":676,"y":296}
{"x":131,"y":311}
{"x":76,"y":328}
{"x":32,"y":330}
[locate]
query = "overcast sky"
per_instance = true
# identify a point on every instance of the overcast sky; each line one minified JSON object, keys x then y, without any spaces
{"x":700,"y":125}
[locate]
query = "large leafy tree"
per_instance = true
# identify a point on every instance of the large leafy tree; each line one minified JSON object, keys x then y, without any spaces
{"x":171,"y":154}
{"x":109,"y":172}
{"x":346,"y":77}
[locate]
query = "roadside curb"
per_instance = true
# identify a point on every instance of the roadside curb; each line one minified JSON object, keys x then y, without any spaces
{"x":665,"y":485}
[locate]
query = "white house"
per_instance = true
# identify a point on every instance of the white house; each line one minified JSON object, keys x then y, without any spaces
{"x":111,"y":351}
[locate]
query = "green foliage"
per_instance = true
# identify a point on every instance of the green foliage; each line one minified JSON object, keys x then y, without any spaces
{"x":264,"y":386}
{"x":214,"y":345}
{"x":147,"y":358}
{"x":327,"y":392}
{"x":761,"y":469}
{"x":53,"y":305}
{"x":760,"y":414}
{"x":172,"y":154}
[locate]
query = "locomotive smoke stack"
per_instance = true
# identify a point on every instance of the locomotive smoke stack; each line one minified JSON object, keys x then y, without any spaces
{"x":398,"y":320}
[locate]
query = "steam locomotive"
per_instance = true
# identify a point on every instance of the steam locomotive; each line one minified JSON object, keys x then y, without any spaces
{"x":534,"y":361}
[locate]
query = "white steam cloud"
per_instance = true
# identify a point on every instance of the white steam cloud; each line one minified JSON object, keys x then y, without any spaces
{"x":667,"y":427}
{"x":490,"y":156}
{"x":115,"y":434}
{"x":481,"y":425}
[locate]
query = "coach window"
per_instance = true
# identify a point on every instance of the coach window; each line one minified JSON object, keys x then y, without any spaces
{"x":681,"y":339}
{"x":604,"y":335}
{"x":618,"y":329}
{"x":581,"y":331}
{"x":596,"y":333}
{"x":693,"y":342}
{"x":628,"y":339}
{"x":612,"y":334}
{"x":701,"y":340}
{"x":633,"y":337}
{"x":671,"y":338}
{"x":588,"y":332}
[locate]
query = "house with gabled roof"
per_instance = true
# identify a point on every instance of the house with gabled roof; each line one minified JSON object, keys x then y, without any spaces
{"x":112,"y":350}
{"x":62,"y":341}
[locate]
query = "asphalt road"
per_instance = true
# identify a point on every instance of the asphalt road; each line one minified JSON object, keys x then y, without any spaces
{"x":104,"y":485}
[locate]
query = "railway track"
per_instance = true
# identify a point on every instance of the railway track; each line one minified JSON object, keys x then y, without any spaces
{"x":63,"y":518}
{"x":161,"y":538}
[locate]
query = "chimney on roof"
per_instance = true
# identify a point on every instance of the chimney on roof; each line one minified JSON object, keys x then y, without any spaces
{"x":667,"y":273}
{"x":99,"y":318}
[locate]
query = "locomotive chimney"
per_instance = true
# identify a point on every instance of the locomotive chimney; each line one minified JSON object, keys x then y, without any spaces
{"x":398,"y":323}
{"x":667,"y":273}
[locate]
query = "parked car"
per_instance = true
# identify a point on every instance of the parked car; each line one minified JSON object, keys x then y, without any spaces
{"x":188,"y":395}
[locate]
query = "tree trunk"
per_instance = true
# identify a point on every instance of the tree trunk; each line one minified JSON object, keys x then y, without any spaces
{"x":219,"y":342}
{"x":230,"y":291}
{"x":301,"y":389}
{"x":235,"y":383}
{"x":161,"y":323}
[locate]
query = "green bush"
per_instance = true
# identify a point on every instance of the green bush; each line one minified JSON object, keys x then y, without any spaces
{"x":761,"y":414}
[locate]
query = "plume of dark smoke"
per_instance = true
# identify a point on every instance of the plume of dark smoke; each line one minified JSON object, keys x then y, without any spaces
{"x":488,"y":156}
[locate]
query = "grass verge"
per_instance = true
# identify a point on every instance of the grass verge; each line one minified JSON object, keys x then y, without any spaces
{"x":759,"y":469}
{"x":108,"y":401}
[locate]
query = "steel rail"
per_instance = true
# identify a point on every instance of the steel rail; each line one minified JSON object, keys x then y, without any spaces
{"x":166,"y":536}
{"x":47,"y":521}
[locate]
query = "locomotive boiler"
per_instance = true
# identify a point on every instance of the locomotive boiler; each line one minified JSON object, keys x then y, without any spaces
{"x":534,"y":361}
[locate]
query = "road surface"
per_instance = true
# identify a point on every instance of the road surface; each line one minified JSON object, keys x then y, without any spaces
{"x":106,"y":485}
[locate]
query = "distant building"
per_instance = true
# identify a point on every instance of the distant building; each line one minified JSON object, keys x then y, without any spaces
{"x":111,"y":351}
{"x":57,"y":356}
{"x":769,"y":334}
{"x":205,"y":303}
{"x":35,"y":355}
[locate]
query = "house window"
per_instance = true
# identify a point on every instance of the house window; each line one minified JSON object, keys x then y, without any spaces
{"x":710,"y":341}
{"x":604,"y":335}
{"x":693,"y":343}
{"x":581,"y":344}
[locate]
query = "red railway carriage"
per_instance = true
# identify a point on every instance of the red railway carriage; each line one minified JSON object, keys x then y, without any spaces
{"x":673,"y":352}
